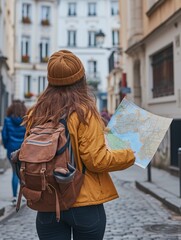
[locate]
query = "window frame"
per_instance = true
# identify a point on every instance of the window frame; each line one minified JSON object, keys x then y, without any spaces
{"x":92,"y":67}
{"x":114,"y":8}
{"x":92,"y":9}
{"x":71,"y":38}
{"x":92,"y":38}
{"x":27,"y":84}
{"x":44,"y":49}
{"x":162,"y":67}
{"x":45,"y":16}
{"x":72,"y":9}
{"x":26,"y":10}
{"x":115,"y":37}
{"x":25,"y":49}
{"x":42,"y":83}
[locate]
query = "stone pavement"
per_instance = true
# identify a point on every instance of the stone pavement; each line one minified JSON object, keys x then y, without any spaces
{"x":164,"y":187}
{"x":6,"y":209}
{"x":133,"y":216}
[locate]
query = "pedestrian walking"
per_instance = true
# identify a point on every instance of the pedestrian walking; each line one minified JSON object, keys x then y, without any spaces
{"x":68,"y":96}
{"x":105,"y":116}
{"x":13,"y":136}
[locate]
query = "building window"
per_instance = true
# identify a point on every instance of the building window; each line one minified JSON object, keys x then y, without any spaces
{"x":27,"y":87}
{"x":92,"y":68}
{"x":92,"y":9}
{"x":44,"y":50}
{"x":25,"y":49}
{"x":162,"y":70}
{"x":114,"y":8}
{"x":42,"y":83}
{"x":71,"y":38}
{"x":45,"y":15}
{"x":26,"y":13}
{"x":72,"y":9}
{"x":93,"y":78}
{"x":91,"y":38}
{"x":115,"y":37}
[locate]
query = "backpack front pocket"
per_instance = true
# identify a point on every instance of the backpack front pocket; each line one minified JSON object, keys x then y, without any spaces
{"x":31,"y":195}
{"x":39,"y":148}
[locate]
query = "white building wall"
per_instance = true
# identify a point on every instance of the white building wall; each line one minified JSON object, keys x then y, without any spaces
{"x":6,"y":29}
{"x":168,"y":106}
{"x":6,"y":84}
{"x":83,"y":23}
{"x":36,"y":32}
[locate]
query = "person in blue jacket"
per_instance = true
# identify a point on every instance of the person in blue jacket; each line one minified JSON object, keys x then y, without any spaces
{"x":13,"y":136}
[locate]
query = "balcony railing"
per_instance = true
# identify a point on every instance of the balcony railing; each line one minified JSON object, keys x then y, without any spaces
{"x":44,"y":59}
{"x":93,"y":79}
{"x":163,"y":91}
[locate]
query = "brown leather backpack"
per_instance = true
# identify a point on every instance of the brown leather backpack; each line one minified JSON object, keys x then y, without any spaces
{"x":49,"y":180}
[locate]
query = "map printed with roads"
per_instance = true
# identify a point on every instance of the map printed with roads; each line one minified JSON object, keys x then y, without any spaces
{"x":135,"y":128}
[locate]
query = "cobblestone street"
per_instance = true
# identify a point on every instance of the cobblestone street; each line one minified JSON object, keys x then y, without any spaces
{"x":134,"y":216}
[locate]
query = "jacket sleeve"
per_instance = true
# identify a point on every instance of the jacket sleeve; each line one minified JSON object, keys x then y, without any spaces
{"x":94,"y":153}
{"x":5,"y":134}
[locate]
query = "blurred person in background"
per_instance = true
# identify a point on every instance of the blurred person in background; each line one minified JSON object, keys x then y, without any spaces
{"x":13,"y":136}
{"x":105,"y":116}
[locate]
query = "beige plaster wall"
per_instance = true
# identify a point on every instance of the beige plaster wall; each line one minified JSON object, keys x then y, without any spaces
{"x":160,"y":15}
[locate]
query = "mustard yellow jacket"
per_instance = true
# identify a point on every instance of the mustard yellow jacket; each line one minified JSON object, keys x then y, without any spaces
{"x":89,"y":147}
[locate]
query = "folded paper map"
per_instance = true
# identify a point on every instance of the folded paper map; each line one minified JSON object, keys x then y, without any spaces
{"x":135,"y":128}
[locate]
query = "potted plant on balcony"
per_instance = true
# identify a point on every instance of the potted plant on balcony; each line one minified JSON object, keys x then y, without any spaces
{"x":44,"y":59}
{"x":28,"y":95}
{"x":94,"y":84}
{"x":25,"y":58}
{"x":26,"y":20}
{"x":45,"y":22}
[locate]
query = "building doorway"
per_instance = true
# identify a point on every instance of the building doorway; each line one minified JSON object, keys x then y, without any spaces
{"x":175,"y":140}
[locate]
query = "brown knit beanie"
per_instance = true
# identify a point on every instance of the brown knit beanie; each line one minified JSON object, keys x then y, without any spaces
{"x":64,"y":68}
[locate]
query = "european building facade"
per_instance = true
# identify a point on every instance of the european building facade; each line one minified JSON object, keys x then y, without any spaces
{"x":150,"y":37}
{"x":35,"y":39}
{"x":78,"y":23}
{"x":6,"y":45}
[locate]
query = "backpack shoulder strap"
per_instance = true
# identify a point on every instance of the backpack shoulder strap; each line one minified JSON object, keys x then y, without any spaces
{"x":63,"y":121}
{"x":68,"y":144}
{"x":61,"y":150}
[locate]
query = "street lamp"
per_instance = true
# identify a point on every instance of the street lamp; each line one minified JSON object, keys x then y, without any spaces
{"x":100,"y":36}
{"x":114,"y":62}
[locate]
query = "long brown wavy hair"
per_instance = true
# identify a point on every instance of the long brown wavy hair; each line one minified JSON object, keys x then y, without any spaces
{"x":16,"y":109}
{"x":60,"y":102}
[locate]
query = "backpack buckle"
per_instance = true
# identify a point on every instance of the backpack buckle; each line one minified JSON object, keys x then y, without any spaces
{"x":43,"y":180}
{"x":22,"y":175}
{"x":42,"y":170}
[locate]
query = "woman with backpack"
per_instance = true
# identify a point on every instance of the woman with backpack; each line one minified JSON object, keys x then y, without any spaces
{"x":68,"y":97}
{"x":13,"y":136}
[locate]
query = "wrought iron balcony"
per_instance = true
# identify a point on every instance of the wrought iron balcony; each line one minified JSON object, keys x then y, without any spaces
{"x":93,"y":79}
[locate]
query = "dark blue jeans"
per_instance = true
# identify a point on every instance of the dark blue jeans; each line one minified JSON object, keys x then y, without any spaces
{"x":14,"y":180}
{"x":86,"y":223}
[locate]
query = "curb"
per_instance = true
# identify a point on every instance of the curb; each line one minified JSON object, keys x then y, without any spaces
{"x":168,"y":199}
